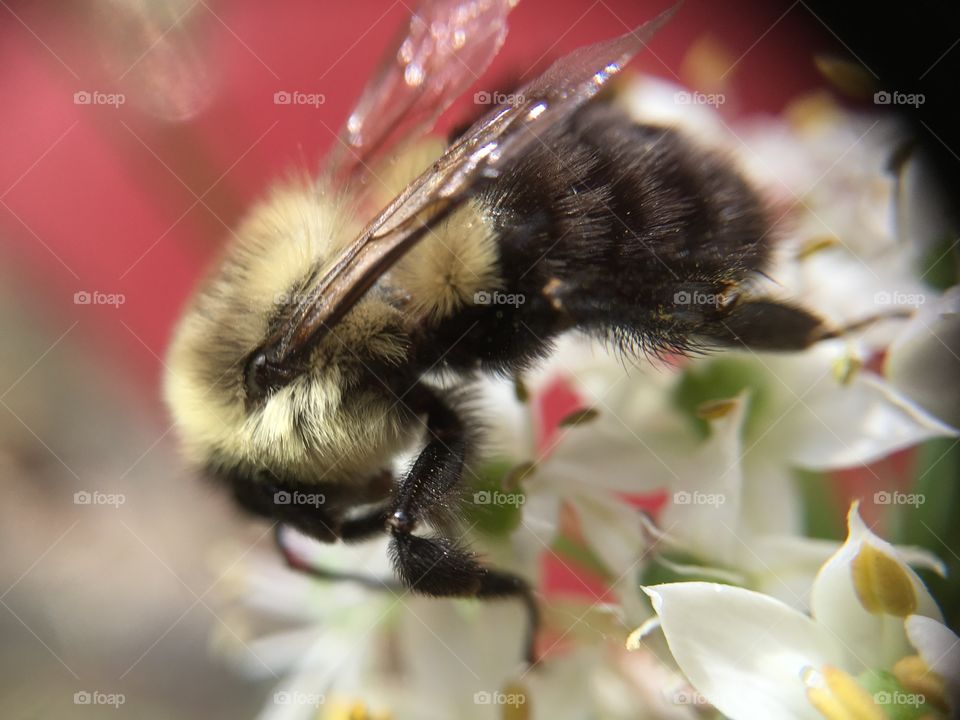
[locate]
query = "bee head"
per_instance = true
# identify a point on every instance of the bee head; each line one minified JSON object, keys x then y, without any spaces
{"x":329,"y":420}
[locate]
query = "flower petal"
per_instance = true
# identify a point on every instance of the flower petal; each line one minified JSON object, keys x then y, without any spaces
{"x":744,"y":651}
{"x":705,"y":512}
{"x":611,"y":529}
{"x":868,"y":570}
{"x":940,"y":649}
{"x":770,"y":496}
{"x":452,"y":650}
{"x":783,"y":566}
{"x":558,"y":690}
{"x":839,"y":426}
{"x":924,"y":360}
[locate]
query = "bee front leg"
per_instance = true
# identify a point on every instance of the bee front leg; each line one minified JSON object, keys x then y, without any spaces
{"x":441,"y":566}
{"x":271,"y":500}
{"x":267,"y":500}
{"x":275,"y":500}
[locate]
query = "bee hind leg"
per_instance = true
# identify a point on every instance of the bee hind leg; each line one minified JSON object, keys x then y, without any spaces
{"x":440,"y":566}
{"x":766,"y":324}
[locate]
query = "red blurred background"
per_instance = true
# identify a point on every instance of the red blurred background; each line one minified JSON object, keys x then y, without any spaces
{"x":119,"y":200}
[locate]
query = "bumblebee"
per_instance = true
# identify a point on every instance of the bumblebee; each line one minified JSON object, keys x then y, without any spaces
{"x":301,"y":367}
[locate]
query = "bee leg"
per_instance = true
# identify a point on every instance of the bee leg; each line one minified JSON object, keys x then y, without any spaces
{"x":440,"y":566}
{"x":271,"y":501}
{"x":364,"y":527}
{"x":296,"y":562}
{"x":266,"y":500}
{"x":766,"y":324}
{"x":262,"y":498}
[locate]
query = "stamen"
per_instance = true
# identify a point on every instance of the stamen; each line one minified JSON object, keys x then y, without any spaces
{"x":815,"y":245}
{"x":912,"y":672}
{"x":843,"y":698}
{"x":846,"y":368}
{"x":881,"y":584}
{"x":715,"y":409}
{"x":517,"y":704}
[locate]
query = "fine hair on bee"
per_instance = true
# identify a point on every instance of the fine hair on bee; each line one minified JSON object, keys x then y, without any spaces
{"x":306,"y":362}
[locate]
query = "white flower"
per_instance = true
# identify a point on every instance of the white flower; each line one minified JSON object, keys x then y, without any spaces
{"x":753,"y":656}
{"x":719,"y":439}
{"x":926,"y":352}
{"x":733,"y":500}
{"x":389,"y":648}
{"x":939,"y":649}
{"x":843,"y":252}
{"x":815,"y":410}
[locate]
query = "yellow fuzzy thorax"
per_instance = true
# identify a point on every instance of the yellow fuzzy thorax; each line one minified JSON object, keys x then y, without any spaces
{"x":454,"y":262}
{"x":326,"y":425}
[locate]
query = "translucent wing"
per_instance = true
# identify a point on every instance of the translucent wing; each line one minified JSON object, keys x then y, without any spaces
{"x":476,"y":159}
{"x":445,"y":49}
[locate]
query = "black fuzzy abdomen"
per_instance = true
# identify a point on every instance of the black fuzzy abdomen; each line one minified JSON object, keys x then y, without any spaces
{"x":628,"y":231}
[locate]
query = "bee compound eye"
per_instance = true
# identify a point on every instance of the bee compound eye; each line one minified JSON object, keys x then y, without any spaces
{"x":263,"y":375}
{"x":256,"y":376}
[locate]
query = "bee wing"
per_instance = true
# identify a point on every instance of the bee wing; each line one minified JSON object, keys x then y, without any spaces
{"x":477,"y":158}
{"x":445,"y":49}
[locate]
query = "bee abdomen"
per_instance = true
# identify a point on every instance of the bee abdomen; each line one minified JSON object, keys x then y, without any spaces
{"x":632,"y":232}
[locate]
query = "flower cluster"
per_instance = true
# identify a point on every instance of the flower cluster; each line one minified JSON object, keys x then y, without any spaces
{"x":664,"y":506}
